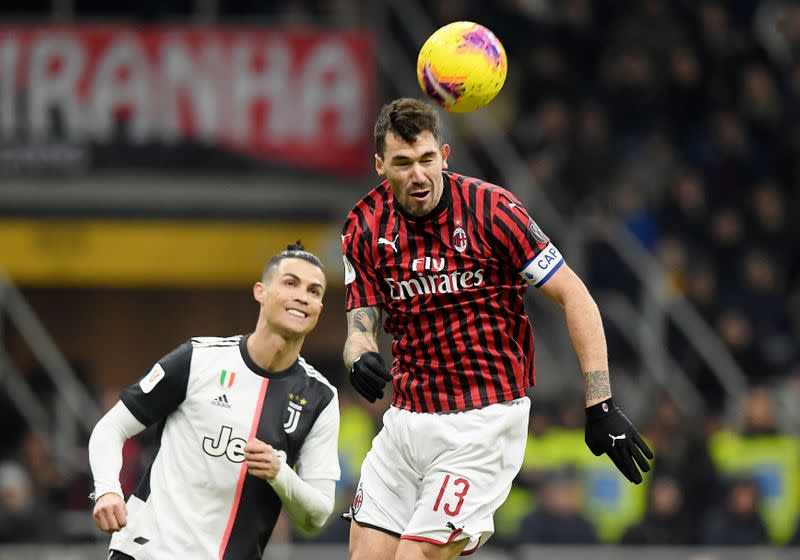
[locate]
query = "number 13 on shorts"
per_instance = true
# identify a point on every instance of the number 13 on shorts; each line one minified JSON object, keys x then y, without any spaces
{"x":451,"y":495}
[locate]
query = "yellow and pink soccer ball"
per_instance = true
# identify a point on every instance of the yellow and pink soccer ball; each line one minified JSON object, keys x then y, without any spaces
{"x":462,"y":66}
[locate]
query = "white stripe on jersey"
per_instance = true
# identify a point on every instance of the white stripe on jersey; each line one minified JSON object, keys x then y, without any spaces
{"x":316,"y":375}
{"x":208,"y":341}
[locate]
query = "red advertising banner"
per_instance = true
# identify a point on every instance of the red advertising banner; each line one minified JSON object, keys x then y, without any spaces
{"x":296,"y":98}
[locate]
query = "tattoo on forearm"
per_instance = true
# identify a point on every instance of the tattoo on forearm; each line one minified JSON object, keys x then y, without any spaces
{"x":364,"y":320}
{"x":598,"y":385}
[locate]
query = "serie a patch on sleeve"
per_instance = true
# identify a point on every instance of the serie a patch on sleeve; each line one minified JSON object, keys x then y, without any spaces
{"x":150,"y":380}
{"x":541,"y":267}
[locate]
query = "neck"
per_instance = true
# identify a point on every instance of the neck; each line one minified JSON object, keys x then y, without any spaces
{"x":272,"y":351}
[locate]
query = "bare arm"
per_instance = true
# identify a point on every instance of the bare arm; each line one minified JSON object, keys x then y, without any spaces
{"x":362,"y":333}
{"x":585,"y":326}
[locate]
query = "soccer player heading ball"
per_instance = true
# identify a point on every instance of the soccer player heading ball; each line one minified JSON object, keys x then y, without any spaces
{"x":447,"y":259}
{"x":235,"y":415}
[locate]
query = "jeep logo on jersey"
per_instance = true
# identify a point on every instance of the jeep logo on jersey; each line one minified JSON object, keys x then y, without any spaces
{"x":460,"y":240}
{"x":224,"y":444}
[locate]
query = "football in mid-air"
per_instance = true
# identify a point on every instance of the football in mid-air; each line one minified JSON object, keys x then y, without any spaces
{"x":462,"y":66}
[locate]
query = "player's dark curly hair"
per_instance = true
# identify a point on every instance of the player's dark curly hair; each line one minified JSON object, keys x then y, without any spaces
{"x":293,"y":251}
{"x":406,"y":118}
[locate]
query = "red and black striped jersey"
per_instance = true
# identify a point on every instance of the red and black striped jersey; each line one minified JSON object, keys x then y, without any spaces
{"x":451,"y":285}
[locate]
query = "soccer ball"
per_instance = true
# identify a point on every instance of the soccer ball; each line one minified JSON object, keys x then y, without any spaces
{"x":462,"y":66}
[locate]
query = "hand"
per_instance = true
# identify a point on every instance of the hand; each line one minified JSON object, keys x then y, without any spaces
{"x":369,"y":376}
{"x":262,"y":459}
{"x":110,"y":512}
{"x":609,"y":431}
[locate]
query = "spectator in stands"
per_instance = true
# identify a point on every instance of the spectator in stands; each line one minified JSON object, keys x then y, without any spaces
{"x":557,"y":518}
{"x":665,"y":523}
{"x":739,"y":522}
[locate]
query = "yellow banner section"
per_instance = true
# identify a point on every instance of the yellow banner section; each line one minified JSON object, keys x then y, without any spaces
{"x":133,"y":253}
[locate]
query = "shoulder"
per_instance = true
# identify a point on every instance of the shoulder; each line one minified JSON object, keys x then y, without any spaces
{"x":214,"y":341}
{"x":477,"y":185}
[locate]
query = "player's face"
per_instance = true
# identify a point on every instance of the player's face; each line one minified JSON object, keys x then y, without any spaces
{"x":414,"y":171}
{"x":291,"y":298}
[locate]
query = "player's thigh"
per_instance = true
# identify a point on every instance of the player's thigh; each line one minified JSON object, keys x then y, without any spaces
{"x":367,"y":543}
{"x":418,"y":550}
{"x":472,"y":476}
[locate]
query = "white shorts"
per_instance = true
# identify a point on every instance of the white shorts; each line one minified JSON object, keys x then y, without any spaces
{"x":440,"y":477}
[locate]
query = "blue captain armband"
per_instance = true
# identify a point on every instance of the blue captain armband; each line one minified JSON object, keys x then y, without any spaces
{"x":540,"y":268}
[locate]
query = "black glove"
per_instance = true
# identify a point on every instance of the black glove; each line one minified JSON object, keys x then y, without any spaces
{"x":608,"y":430}
{"x":369,"y":376}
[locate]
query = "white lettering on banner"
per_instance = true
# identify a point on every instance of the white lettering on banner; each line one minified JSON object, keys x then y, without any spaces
{"x":190,"y":77}
{"x":55,"y":66}
{"x":330,"y":62}
{"x":287,"y":95}
{"x":542,"y":266}
{"x":252,"y":86}
{"x":122,"y":81}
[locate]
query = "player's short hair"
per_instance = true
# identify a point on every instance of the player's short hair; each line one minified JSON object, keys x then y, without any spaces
{"x":406,"y":118}
{"x":293,"y":251}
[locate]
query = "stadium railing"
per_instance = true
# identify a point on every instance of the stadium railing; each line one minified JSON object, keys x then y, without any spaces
{"x":74,"y":408}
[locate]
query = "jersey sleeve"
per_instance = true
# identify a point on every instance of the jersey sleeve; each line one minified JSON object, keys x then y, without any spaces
{"x":319,"y":457}
{"x":360,"y":280}
{"x":520,"y":241}
{"x":163,"y":389}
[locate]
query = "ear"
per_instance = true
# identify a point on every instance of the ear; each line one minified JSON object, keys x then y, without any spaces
{"x":379,"y":166}
{"x":445,"y":154}
{"x":259,"y":290}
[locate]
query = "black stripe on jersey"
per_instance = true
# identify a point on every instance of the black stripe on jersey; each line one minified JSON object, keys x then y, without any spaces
{"x":143,"y":488}
{"x":511,"y":237}
{"x":523,"y":227}
{"x":483,"y":323}
{"x":452,"y":380}
{"x":442,"y":384}
{"x":417,"y":330}
{"x":361,"y":251}
{"x":460,"y":208}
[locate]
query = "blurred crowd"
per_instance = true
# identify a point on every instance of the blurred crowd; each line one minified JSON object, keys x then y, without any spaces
{"x":681,"y":119}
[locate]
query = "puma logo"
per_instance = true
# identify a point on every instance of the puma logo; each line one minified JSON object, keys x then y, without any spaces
{"x":615,"y":438}
{"x":384,"y":241}
{"x":512,"y":205}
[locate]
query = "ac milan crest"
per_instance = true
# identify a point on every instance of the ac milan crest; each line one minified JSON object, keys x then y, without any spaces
{"x":460,"y":240}
{"x":358,"y":500}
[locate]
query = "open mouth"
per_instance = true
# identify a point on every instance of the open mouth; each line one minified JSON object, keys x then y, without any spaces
{"x":297,"y":313}
{"x":420,"y":195}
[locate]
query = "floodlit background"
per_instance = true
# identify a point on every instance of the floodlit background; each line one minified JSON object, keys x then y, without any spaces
{"x":154,"y":154}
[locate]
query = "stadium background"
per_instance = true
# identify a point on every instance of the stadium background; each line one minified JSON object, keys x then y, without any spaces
{"x":153,"y":154}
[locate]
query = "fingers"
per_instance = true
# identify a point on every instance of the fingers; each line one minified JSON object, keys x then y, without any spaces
{"x":639,"y":458}
{"x":364,"y":388}
{"x":111,"y":517}
{"x":643,"y":445}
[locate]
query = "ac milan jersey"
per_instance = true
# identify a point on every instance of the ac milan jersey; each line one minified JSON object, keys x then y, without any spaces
{"x":451,"y":286}
{"x":209,"y":398}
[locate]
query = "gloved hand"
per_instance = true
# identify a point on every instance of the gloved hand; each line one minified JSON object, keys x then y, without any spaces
{"x":369,"y":376}
{"x":609,"y":431}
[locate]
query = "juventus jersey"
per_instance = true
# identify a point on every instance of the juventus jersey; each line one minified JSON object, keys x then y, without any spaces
{"x":209,"y":398}
{"x":451,"y":286}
